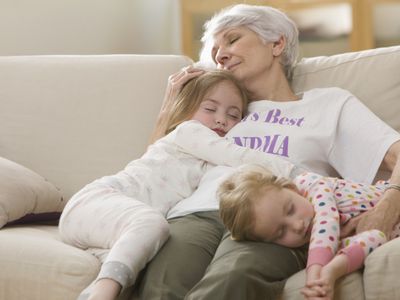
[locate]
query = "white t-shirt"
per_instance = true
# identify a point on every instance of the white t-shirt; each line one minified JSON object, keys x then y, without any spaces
{"x":328,"y":131}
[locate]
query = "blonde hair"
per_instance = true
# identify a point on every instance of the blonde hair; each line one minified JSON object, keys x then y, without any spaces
{"x":239,"y":192}
{"x":194,"y":91}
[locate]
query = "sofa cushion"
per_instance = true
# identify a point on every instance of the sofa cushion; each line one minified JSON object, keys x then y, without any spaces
{"x":35,"y":264}
{"x":26,"y":196}
{"x":381,"y":273}
{"x":75,"y":118}
{"x":371,"y":75}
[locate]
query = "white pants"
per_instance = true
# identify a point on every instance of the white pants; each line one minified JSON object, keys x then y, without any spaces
{"x":101,"y":217}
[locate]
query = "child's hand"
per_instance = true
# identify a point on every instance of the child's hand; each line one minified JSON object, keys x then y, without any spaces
{"x":313,"y":273}
{"x":320,"y":283}
{"x":313,"y":291}
{"x":323,"y":287}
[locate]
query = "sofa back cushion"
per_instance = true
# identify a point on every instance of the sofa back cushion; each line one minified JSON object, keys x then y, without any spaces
{"x":72,"y":119}
{"x":371,"y":75}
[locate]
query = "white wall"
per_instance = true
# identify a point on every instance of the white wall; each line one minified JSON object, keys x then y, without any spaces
{"x":89,"y":26}
{"x":157,"y":26}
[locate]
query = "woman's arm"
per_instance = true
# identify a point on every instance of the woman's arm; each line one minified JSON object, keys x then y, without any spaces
{"x":175,"y":83}
{"x":386,"y":214}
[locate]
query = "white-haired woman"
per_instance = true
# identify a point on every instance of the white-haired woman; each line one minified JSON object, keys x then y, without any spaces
{"x":327,"y":131}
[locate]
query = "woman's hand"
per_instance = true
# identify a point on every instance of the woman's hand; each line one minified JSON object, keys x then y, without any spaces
{"x":350,"y":227}
{"x":175,"y":83}
{"x":384,"y":216}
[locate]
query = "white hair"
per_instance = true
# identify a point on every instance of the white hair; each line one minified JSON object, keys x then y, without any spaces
{"x":269,"y":23}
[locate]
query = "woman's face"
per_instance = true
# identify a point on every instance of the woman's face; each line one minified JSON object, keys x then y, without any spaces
{"x":241,"y":51}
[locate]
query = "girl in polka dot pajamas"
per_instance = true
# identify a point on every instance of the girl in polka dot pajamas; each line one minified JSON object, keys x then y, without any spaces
{"x":335,"y":202}
{"x":311,"y":208}
{"x":123,"y":215}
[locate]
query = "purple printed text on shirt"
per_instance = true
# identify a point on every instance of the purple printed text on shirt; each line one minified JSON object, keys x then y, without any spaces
{"x":276,"y":144}
{"x":274,"y":116}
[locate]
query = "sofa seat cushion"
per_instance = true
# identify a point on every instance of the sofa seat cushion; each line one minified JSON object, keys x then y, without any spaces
{"x":35,"y":264}
{"x":381,"y":273}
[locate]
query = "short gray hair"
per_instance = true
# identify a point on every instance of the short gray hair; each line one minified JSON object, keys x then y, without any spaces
{"x":268,"y":22}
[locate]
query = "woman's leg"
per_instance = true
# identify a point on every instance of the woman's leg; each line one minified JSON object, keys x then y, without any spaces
{"x":248,"y":270}
{"x":183,"y":259}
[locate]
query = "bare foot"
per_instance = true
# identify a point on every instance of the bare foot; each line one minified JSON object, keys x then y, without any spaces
{"x":105,"y":289}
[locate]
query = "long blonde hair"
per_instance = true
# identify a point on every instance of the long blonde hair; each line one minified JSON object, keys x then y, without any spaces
{"x":193,"y":93}
{"x":239,"y":192}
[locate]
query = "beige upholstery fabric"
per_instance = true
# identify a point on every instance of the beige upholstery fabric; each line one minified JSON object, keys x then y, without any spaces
{"x":36,"y":265}
{"x":72,"y":119}
{"x":372,"y":75}
{"x":382,"y":271}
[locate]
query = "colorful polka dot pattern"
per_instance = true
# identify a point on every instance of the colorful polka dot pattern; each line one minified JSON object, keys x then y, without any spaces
{"x":335,"y":202}
{"x":367,"y":240}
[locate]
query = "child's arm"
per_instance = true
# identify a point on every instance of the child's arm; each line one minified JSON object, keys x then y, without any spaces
{"x":196,"y":139}
{"x":358,"y":247}
{"x":350,"y":258}
{"x":326,"y":229}
{"x":324,"y":286}
{"x":325,"y":232}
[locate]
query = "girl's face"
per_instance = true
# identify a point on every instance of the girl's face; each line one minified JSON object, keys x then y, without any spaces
{"x":241,"y":51}
{"x":221,"y":108}
{"x":283,"y":217}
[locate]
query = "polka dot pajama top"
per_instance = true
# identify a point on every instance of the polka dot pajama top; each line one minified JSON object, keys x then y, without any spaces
{"x":335,"y":202}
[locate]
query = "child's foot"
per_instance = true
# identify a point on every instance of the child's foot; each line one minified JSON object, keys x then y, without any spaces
{"x":105,"y":289}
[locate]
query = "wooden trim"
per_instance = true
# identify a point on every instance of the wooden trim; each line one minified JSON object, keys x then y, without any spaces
{"x":361,"y":36}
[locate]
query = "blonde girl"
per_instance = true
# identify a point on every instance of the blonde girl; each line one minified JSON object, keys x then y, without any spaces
{"x":124,"y":214}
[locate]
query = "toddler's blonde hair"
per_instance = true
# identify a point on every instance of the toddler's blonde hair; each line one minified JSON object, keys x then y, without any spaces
{"x":239,"y":192}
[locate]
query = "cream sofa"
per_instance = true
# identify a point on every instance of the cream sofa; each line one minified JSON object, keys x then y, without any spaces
{"x":72,"y":119}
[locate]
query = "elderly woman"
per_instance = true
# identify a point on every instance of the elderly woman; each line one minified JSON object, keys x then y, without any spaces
{"x":323,"y":130}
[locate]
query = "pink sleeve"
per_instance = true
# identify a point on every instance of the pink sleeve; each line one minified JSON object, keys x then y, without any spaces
{"x":358,"y":247}
{"x":325,"y":232}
